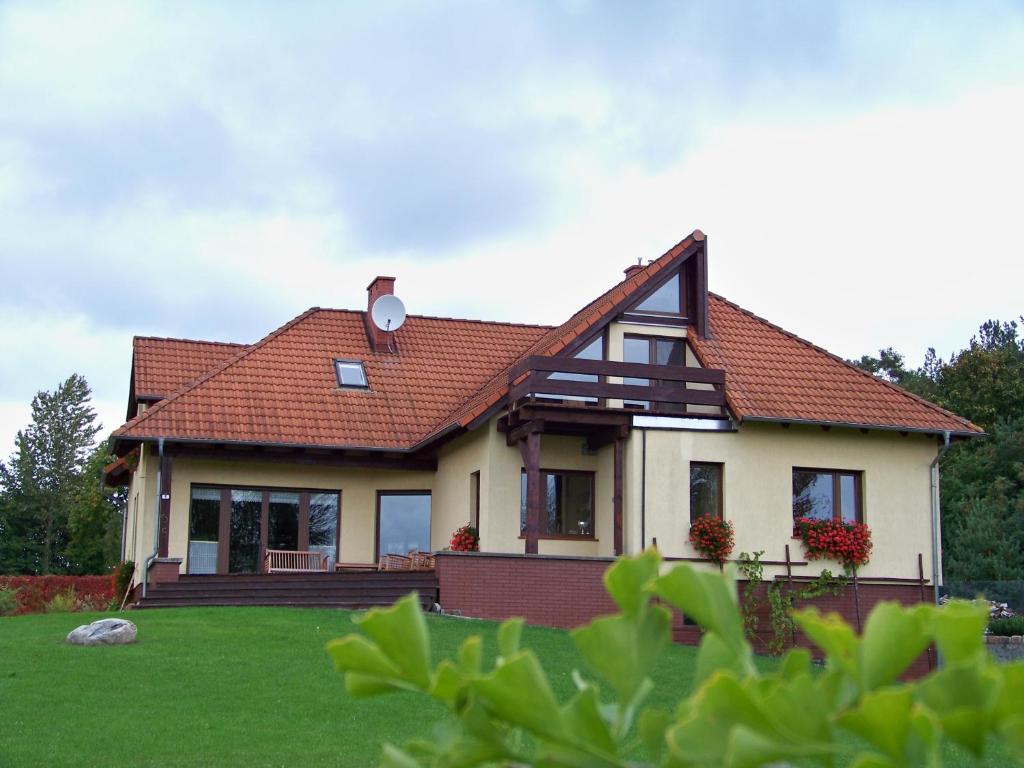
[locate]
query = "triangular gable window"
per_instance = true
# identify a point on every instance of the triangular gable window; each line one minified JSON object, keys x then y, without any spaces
{"x":666,"y":299}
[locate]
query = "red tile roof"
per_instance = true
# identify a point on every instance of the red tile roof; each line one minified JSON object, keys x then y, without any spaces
{"x":162,"y":366}
{"x":772,"y":374}
{"x":283,"y":389}
{"x":449,"y":373}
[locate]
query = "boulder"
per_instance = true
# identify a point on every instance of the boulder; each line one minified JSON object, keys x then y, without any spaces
{"x":103,"y":632}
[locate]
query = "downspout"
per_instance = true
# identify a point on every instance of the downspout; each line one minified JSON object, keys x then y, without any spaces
{"x":156,"y":519}
{"x":936,"y":513}
{"x":643,"y":491}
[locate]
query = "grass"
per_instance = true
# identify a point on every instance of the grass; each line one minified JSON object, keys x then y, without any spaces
{"x":231,"y":686}
{"x":226,"y":686}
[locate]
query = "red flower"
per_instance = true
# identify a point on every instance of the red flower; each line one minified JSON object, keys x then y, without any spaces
{"x":465,"y":539}
{"x":713,"y":537}
{"x":849,"y":543}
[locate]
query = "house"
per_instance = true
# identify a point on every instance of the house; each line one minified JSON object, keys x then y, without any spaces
{"x":656,"y":403}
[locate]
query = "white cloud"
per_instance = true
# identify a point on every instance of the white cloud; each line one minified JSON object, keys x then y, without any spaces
{"x":858,"y":182}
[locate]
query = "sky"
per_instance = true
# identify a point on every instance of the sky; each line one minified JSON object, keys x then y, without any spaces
{"x":209,"y":170}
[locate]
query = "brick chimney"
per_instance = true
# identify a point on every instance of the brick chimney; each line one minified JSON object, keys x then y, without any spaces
{"x":632,"y":269}
{"x":380,"y":341}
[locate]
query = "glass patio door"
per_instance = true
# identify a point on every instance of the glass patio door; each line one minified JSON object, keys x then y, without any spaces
{"x":244,"y":542}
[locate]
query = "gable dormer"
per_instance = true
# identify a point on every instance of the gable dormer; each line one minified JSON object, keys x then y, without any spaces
{"x":677,"y":296}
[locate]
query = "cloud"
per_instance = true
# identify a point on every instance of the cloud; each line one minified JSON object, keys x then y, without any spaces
{"x":189,"y":170}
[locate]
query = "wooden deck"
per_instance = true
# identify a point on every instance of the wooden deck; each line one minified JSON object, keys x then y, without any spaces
{"x":350,"y":590}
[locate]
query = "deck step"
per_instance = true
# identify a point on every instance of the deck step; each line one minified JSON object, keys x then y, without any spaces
{"x":324,"y":590}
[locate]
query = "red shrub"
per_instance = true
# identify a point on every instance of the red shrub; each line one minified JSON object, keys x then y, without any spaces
{"x":34,"y":592}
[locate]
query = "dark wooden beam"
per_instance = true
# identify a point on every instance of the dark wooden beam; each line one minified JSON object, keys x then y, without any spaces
{"x":520,"y":433}
{"x":166,"y":464}
{"x":530,"y":449}
{"x":617,"y":494}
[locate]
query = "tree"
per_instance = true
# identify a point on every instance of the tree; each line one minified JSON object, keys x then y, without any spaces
{"x":982,"y":479}
{"x":94,"y":521}
{"x":40,"y":481}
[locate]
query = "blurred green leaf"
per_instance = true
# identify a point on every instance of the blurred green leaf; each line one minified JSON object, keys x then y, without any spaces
{"x":706,"y":597}
{"x":622,"y":648}
{"x":401,"y":632}
{"x":518,"y":692}
{"x":652,"y":726}
{"x":627,"y":579}
{"x":893,"y":637}
{"x":958,"y":630}
{"x":509,"y":634}
{"x":882,"y":719}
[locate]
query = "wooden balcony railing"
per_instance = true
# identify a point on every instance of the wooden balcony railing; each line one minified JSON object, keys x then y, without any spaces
{"x":667,"y":384}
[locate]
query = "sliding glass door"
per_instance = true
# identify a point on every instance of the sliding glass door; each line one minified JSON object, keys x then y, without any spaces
{"x":230,"y":529}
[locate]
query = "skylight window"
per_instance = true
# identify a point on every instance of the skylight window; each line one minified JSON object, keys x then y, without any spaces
{"x":351,"y":374}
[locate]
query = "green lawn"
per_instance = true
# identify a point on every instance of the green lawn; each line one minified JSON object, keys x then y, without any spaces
{"x":228,"y":686}
{"x":224,"y":686}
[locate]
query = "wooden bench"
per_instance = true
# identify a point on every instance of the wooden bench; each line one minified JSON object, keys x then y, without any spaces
{"x":288,"y":561}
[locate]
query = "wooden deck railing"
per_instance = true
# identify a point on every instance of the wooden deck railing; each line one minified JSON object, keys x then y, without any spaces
{"x":531,"y":377}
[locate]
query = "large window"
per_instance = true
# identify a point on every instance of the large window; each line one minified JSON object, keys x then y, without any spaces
{"x":827,"y":494}
{"x":705,"y":490}
{"x":229,"y":528}
{"x":567,"y":503}
{"x":403,"y":522}
{"x":666,"y":300}
{"x":652,"y":350}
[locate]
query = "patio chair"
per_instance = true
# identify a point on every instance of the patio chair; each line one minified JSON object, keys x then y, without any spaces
{"x":394,"y":563}
{"x":421,"y":561}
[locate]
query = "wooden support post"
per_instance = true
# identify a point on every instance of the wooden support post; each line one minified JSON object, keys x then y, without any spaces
{"x":304,"y":522}
{"x":529,"y":446}
{"x":264,"y":527}
{"x":224,"y":532}
{"x":165,"y":504}
{"x":617,"y":495}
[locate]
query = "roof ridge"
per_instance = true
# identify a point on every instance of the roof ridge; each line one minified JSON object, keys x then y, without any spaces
{"x":243,"y":353}
{"x":849,"y":365}
{"x":189,"y":341}
{"x":445,"y":317}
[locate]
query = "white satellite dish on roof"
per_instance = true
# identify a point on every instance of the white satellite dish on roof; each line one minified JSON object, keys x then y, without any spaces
{"x":388,"y":313}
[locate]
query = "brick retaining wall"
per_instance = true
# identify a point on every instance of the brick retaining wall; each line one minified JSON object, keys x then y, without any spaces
{"x":566,"y":592}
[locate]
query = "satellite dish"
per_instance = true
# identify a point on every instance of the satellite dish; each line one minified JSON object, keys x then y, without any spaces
{"x":388,"y":313}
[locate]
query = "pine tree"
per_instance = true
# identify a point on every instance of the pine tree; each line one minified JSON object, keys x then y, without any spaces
{"x":40,"y":481}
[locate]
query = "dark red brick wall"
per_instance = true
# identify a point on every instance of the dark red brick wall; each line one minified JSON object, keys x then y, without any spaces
{"x":549,"y":591}
{"x":566,"y":592}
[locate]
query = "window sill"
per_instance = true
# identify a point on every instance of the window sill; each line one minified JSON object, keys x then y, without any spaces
{"x":561,"y":537}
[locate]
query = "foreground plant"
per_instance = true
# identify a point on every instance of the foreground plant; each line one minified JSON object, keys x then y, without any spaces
{"x":736,"y":715}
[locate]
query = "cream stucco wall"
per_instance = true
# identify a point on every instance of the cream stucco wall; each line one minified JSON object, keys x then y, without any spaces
{"x":139,"y":534}
{"x":757,"y":477}
{"x":500,"y":496}
{"x":451,"y":507}
{"x":758,"y":462}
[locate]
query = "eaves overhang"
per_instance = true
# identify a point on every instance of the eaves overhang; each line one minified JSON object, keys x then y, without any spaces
{"x":938,"y":432}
